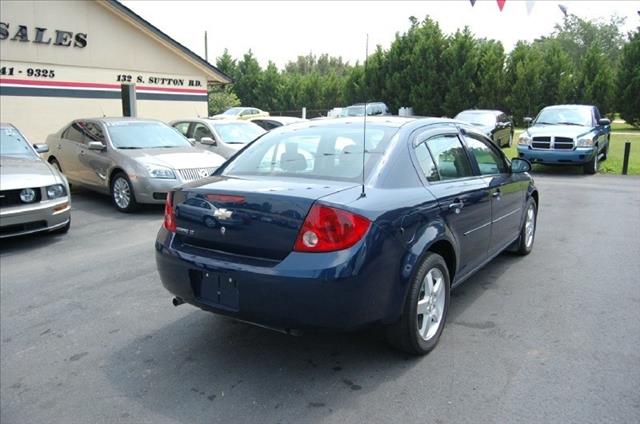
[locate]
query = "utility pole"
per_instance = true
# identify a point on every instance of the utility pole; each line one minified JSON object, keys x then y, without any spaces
{"x":206,"y":47}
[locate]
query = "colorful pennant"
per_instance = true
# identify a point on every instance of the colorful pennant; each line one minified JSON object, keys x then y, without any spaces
{"x":473,"y":2}
{"x":501,"y":4}
{"x":530,"y":4}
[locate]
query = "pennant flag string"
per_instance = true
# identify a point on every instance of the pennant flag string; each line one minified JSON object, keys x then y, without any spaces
{"x":501,"y":4}
{"x":473,"y":2}
{"x":530,"y":4}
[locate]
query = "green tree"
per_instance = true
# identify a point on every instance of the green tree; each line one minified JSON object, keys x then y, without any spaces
{"x":221,"y":99}
{"x":598,"y":84}
{"x":629,"y":80}
{"x":227,"y":64}
{"x":461,"y":58}
{"x":491,"y":76}
{"x":248,"y":80}
{"x":523,"y":77}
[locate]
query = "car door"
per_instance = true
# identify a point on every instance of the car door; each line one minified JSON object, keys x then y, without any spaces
{"x":68,"y":149}
{"x":508,"y":190}
{"x":464,"y":198}
{"x":94,"y":165}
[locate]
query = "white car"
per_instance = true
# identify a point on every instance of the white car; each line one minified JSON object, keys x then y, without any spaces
{"x":241,"y":113}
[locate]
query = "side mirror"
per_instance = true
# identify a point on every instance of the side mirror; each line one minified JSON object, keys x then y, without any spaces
{"x":208,"y":141}
{"x":96,"y":145}
{"x":519,"y":166}
{"x":604,"y":122}
{"x":527,"y":121}
{"x":41,"y":148}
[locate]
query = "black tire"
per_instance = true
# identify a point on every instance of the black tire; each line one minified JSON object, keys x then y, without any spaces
{"x":63,"y":230}
{"x":119,"y":201}
{"x":54,"y":162}
{"x":522,"y":247}
{"x":405,"y":334}
{"x":209,"y":222}
{"x":605,"y":154}
{"x":591,"y":167}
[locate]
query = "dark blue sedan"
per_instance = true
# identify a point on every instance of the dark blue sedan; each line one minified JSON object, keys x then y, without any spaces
{"x":299,"y":239}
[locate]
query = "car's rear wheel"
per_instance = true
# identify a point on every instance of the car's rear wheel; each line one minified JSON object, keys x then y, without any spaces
{"x":591,"y":167}
{"x":528,"y":230}
{"x":122,"y":193}
{"x":424,"y":314}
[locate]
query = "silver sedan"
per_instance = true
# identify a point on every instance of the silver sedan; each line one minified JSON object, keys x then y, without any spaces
{"x":34,"y":196}
{"x":134,"y":160}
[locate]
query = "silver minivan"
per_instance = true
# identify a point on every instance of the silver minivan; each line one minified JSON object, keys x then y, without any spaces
{"x":134,"y":160}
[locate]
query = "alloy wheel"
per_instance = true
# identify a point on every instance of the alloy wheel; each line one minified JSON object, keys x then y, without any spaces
{"x":121,"y":193}
{"x":530,"y":226}
{"x":430,"y":307}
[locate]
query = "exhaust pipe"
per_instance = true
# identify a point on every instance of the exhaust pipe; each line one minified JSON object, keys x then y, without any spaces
{"x":177,"y":301}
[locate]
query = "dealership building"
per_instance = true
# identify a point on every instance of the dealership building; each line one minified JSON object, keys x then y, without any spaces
{"x":65,"y":60}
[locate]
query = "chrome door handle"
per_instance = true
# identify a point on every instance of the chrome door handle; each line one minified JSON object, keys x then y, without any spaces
{"x":59,"y":146}
{"x":456,"y":206}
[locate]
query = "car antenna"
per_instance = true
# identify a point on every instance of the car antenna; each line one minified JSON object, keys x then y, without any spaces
{"x":102,"y":110}
{"x":364,"y":121}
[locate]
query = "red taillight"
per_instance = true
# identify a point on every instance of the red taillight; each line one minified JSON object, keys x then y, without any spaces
{"x":327,"y":229}
{"x":169,"y":214}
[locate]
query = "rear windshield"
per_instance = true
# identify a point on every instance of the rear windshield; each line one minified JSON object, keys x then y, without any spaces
{"x":487,"y":119}
{"x":238,"y":132}
{"x":324,"y":152}
{"x":13,"y":144}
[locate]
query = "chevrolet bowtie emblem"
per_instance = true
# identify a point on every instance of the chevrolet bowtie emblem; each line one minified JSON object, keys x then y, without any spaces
{"x":222,"y":213}
{"x":203,"y":173}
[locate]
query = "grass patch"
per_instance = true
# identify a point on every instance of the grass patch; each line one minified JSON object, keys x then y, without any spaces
{"x":623,"y":127}
{"x":613,"y":164}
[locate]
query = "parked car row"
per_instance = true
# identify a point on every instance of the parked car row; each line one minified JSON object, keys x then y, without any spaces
{"x":134,"y":161}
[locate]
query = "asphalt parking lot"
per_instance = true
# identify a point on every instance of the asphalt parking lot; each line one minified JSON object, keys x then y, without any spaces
{"x":88,"y":334}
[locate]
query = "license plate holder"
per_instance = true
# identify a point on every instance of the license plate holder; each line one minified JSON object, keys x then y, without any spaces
{"x":220,"y":289}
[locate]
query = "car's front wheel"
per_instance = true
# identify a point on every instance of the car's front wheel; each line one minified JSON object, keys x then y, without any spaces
{"x":591,"y":167}
{"x":122,"y":193}
{"x":424,"y":314}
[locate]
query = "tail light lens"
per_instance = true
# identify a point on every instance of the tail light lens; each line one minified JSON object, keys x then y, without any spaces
{"x":328,"y":229}
{"x":169,"y":214}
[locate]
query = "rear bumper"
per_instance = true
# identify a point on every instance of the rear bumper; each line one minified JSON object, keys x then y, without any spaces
{"x":28,"y":219}
{"x":337,"y":290}
{"x":576,"y":156}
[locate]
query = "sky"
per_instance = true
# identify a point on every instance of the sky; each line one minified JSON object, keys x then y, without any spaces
{"x":282,"y":30}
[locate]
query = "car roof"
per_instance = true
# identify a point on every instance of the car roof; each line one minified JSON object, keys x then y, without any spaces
{"x":106,"y":119}
{"x":493,"y":111}
{"x":385,"y":121}
{"x":278,"y":118}
{"x":568,"y":106}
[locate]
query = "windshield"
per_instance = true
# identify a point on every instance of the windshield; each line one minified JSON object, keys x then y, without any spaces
{"x":354,"y":111}
{"x":238,"y":133}
{"x":565,"y":115}
{"x":325,"y":152}
{"x":233,"y":111}
{"x":144,"y":135}
{"x":475,"y":118}
{"x":13,"y":144}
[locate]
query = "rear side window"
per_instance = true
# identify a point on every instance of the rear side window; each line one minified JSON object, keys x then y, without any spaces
{"x":450,"y":157}
{"x":426,"y":163}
